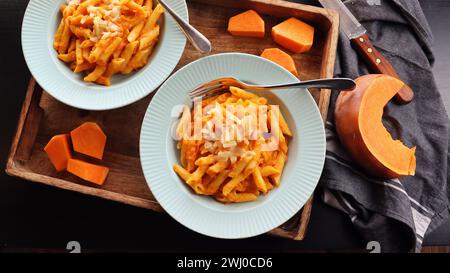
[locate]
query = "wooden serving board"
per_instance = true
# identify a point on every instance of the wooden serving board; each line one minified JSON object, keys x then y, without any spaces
{"x":42,"y":116}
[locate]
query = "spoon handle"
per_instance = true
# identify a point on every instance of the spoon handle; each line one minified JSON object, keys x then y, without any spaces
{"x":198,"y":40}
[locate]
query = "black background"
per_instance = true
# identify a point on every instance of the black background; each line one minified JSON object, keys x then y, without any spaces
{"x":34,"y":217}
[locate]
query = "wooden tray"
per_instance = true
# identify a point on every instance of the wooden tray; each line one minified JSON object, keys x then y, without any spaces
{"x":42,"y":116}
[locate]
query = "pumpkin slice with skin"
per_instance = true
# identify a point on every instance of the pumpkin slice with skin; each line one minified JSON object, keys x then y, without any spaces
{"x":358,"y":118}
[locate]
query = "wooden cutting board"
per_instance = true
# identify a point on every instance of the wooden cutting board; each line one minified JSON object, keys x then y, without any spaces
{"x":42,"y":116}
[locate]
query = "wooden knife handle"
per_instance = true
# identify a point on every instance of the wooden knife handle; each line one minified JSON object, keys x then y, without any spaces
{"x":379,"y":64}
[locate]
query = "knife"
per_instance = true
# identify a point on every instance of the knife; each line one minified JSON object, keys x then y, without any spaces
{"x":358,"y":37}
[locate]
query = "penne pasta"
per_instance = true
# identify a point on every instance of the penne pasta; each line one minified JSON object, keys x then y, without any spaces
{"x":94,"y":75}
{"x":67,"y":58}
{"x":279,"y":165}
{"x":103,"y":80}
{"x":214,"y":186}
{"x":149,"y":38}
{"x":79,"y":52}
{"x":139,"y":60}
{"x":182,"y":172}
{"x":64,"y":39}
{"x":269,"y":170}
{"x":82,"y":8}
{"x":101,"y":31}
{"x":87,"y":44}
{"x":240,"y":93}
{"x":148,"y":4}
{"x":72,"y":45}
{"x":230,"y":185}
{"x":135,"y":32}
{"x":217,"y":168}
{"x":197,"y":175}
{"x":242,"y":197}
{"x":109,"y":50}
{"x":208,"y":160}
{"x":80,"y":32}
{"x":284,"y":126}
{"x":114,"y":67}
{"x":237,"y":168}
{"x":153,"y":18}
{"x":128,"y":52}
{"x":258,"y":179}
{"x":85,"y":53}
{"x":98,"y":50}
{"x":58,"y":35}
{"x":251,"y":167}
{"x":82,"y":21}
{"x":83,"y":67}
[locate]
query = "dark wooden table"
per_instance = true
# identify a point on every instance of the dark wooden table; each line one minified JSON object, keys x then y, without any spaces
{"x":40,"y":218}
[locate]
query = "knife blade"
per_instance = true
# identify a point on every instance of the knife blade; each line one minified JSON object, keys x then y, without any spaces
{"x":348,"y":23}
{"x":358,"y":37}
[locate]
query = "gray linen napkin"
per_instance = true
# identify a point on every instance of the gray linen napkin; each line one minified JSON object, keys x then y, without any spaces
{"x":397,"y":213}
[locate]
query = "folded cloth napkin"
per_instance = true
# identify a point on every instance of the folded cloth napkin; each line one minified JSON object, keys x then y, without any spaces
{"x":397,"y":213}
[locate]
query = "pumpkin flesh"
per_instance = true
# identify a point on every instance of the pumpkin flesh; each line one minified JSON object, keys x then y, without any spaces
{"x":359,"y":124}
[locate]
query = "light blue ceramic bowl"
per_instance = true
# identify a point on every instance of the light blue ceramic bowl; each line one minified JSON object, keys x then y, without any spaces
{"x":201,"y":213}
{"x":39,"y":26}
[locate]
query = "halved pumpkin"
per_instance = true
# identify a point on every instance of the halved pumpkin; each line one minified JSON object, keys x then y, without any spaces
{"x":358,"y":118}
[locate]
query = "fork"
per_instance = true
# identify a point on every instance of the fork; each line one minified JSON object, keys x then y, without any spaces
{"x":219,"y":86}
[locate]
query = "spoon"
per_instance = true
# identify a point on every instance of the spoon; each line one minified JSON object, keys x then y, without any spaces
{"x":198,"y":40}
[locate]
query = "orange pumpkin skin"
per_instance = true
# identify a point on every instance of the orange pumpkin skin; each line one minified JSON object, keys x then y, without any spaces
{"x":360,"y":129}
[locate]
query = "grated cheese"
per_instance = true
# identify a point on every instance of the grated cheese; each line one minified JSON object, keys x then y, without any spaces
{"x":229,"y":144}
{"x":73,"y":2}
{"x":115,"y":13}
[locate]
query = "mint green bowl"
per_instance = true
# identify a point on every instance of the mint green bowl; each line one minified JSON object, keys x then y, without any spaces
{"x":202,"y":213}
{"x":38,"y":28}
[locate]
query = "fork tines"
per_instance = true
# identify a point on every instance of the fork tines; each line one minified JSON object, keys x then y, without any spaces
{"x":210,"y":89}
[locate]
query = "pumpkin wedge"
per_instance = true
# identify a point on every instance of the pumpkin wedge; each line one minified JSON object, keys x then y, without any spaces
{"x":58,"y":151}
{"x":294,"y":35}
{"x":280,"y":57}
{"x":90,"y":172}
{"x":358,"y":117}
{"x":247,"y":24}
{"x":89,"y":139}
